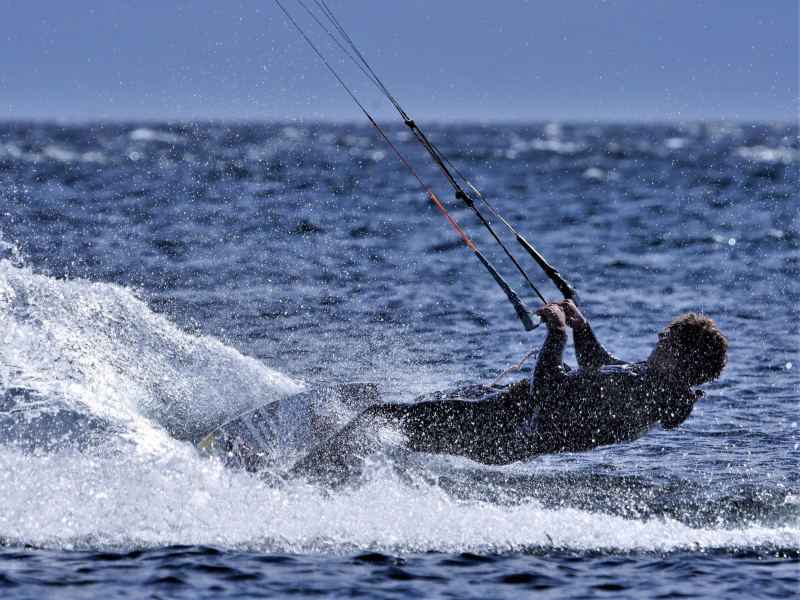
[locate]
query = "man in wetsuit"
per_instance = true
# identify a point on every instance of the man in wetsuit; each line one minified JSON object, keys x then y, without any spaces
{"x":605,"y":401}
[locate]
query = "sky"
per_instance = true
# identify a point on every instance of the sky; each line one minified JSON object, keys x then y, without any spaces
{"x":446,"y":60}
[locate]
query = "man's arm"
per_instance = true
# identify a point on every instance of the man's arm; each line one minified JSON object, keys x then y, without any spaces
{"x":590,"y":353}
{"x":549,"y":366}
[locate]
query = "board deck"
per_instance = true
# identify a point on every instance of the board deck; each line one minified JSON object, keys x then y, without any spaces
{"x":275,"y":434}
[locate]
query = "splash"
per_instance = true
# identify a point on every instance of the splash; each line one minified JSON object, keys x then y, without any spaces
{"x":69,"y":500}
{"x":95,"y":349}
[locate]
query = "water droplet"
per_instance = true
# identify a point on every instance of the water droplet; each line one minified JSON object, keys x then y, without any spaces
{"x":732,"y":242}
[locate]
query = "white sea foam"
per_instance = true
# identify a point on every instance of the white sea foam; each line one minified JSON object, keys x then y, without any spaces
{"x":594,"y":174}
{"x":145,"y":134}
{"x":767,"y":155}
{"x":72,"y":500}
{"x":51,"y":152}
{"x":556,"y":146}
{"x":676,"y":143}
{"x":12,"y":150}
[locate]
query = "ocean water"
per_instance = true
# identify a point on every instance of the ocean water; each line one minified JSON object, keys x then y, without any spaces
{"x":157,"y":279}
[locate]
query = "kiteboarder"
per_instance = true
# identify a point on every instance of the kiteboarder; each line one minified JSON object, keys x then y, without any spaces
{"x":605,"y":401}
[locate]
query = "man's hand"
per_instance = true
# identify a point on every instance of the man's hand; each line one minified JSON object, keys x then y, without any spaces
{"x":553,"y":316}
{"x":572,"y":315}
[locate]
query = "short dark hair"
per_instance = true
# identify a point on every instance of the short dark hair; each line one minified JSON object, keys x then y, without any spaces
{"x":701,"y":347}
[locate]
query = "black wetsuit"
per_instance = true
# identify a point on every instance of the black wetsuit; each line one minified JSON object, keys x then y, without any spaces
{"x":583,"y":410}
{"x":605,"y":401}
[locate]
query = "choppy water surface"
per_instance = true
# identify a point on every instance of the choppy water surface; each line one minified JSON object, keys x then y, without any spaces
{"x":156,"y":279}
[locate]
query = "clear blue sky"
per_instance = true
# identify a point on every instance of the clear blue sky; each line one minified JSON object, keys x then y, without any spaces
{"x":443,"y":59}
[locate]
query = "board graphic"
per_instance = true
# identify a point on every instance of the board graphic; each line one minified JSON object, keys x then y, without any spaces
{"x":276,"y":434}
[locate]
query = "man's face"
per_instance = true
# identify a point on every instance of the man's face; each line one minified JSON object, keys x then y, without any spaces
{"x":663,"y":356}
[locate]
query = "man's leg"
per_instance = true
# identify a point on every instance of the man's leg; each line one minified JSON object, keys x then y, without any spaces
{"x":357,"y":439}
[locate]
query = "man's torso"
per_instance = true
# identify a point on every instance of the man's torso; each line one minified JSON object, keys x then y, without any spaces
{"x":580,"y":411}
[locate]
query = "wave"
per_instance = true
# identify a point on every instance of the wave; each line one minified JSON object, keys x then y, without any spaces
{"x":97,"y":350}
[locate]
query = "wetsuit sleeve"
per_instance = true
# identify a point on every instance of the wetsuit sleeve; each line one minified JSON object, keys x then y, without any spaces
{"x":679,"y":411}
{"x":676,"y":417}
{"x":589,"y":352}
{"x":549,"y":367}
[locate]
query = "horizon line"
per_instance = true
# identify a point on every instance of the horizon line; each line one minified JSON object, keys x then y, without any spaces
{"x":354,"y":122}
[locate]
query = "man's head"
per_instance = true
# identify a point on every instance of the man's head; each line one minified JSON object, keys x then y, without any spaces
{"x":691,"y":350}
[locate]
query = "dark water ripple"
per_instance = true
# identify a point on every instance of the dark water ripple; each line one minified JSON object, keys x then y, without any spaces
{"x":203,"y":572}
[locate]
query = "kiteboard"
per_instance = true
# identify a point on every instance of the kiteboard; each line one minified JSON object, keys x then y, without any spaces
{"x":276,"y":434}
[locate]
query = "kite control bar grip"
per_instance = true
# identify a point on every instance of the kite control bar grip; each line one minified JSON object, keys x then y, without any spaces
{"x":535,"y":321}
{"x":570,"y":293}
{"x":563,"y":286}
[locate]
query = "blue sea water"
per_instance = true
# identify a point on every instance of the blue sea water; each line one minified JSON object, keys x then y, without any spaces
{"x":157,"y":279}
